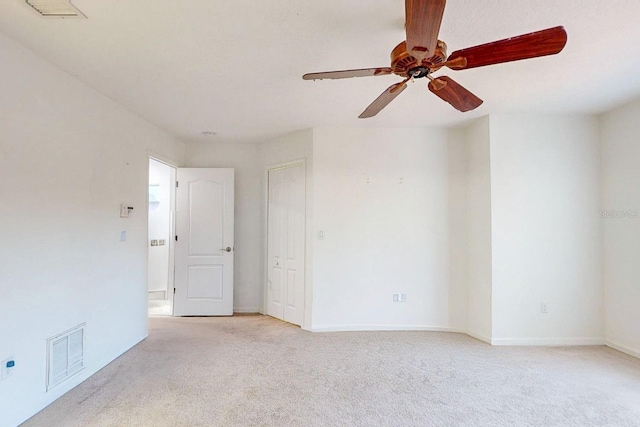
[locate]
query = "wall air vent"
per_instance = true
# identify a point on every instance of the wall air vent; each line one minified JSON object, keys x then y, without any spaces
{"x":56,"y":8}
{"x":65,"y":356}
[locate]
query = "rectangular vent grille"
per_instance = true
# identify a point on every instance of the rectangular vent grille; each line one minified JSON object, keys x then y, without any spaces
{"x":55,"y":8}
{"x":65,"y":356}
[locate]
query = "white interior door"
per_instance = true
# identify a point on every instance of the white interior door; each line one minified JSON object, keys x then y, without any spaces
{"x":204,"y":242}
{"x":286,"y":243}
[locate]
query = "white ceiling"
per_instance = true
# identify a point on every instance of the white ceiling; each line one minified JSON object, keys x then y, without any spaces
{"x":235,"y":66}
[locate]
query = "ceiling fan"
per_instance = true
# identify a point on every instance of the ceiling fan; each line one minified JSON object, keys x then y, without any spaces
{"x":423,"y":54}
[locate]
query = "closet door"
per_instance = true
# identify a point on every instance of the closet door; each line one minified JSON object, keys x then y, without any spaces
{"x":286,"y":243}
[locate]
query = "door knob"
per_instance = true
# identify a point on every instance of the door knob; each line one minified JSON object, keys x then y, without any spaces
{"x":227,"y":249}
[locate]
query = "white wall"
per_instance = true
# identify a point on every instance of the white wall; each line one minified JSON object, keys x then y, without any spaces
{"x":546,"y":230}
{"x":620,"y":183}
{"x":244,"y":158}
{"x":457,"y":165}
{"x":383,"y":199}
{"x":160,"y":222}
{"x":478,"y":222}
{"x":295,"y":146}
{"x":69,"y":157}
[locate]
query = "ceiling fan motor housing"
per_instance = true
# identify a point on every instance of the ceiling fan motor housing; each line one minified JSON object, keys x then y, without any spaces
{"x":405,"y":65}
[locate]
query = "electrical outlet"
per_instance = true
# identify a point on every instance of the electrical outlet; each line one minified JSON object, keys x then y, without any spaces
{"x":544,"y":309}
{"x":6,"y":368}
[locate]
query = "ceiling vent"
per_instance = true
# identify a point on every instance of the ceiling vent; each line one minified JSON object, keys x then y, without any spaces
{"x":56,"y":8}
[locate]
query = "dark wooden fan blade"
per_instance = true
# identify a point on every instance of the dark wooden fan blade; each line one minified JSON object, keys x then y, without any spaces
{"x":346,"y":74}
{"x":423,"y":25}
{"x":532,"y":45}
{"x":383,"y":100}
{"x":459,"y":97}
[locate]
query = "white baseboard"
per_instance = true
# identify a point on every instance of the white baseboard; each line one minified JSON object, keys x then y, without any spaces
{"x":157,"y":295}
{"x":547,"y":342}
{"x":246,"y":310}
{"x":479,"y":336}
{"x":623,"y":349}
{"x":384,"y":328}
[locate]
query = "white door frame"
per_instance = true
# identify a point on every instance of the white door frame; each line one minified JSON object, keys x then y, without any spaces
{"x":161,"y":159}
{"x":265,"y":279}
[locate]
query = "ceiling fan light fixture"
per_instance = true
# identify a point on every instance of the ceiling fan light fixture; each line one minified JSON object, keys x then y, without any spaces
{"x":56,"y":8}
{"x":422,"y":53}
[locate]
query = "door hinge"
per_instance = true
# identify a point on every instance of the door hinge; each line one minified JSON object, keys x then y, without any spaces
{"x":176,"y":238}
{"x":177,"y":184}
{"x":174,"y":291}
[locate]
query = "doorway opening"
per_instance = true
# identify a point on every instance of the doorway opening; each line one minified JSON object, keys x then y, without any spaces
{"x":161,"y":223}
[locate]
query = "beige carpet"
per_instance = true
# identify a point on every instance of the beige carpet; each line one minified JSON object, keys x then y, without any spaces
{"x":247,"y":371}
